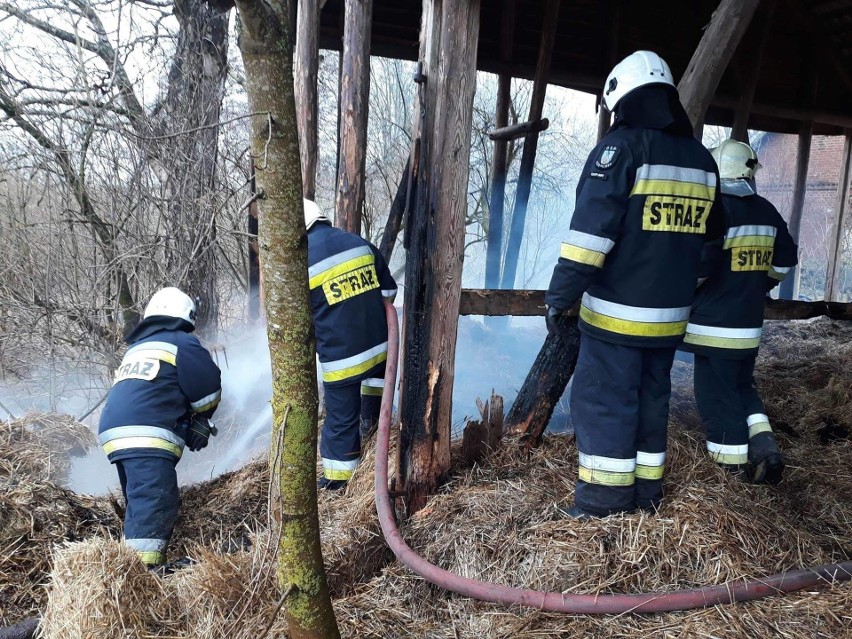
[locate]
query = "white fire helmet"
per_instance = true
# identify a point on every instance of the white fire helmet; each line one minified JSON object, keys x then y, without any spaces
{"x":735,"y":160}
{"x":313,"y":214}
{"x":636,"y":70}
{"x":171,"y":302}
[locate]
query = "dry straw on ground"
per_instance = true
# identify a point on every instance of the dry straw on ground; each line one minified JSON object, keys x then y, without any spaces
{"x":499,"y":522}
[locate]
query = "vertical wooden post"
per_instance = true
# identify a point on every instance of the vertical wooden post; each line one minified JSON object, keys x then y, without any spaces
{"x":305,"y":70}
{"x":750,"y":60}
{"x":841,"y":217}
{"x":395,"y":214}
{"x":499,"y":166}
{"x":522,"y":195}
{"x":254,"y":280}
{"x":788,"y":290}
{"x":711,"y":57}
{"x":354,"y":106}
{"x":433,"y":269}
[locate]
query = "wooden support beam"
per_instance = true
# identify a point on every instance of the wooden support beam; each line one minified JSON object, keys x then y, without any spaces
{"x":711,"y":57}
{"x":840,"y":222}
{"x":255,"y":294}
{"x":396,"y":213}
{"x":520,"y":303}
{"x":522,"y":194}
{"x":354,"y":107}
{"x":788,"y":288}
{"x":305,"y":71}
{"x":749,"y":59}
{"x":515,"y":131}
{"x":500,"y":158}
{"x":545,"y":383}
{"x":434,"y":265}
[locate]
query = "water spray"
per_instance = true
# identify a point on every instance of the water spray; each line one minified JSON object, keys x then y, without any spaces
{"x":743,"y":590}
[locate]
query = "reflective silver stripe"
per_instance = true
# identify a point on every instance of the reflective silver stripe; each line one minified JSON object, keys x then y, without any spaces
{"x":373,"y":382}
{"x":675,"y":173}
{"x":717,"y":331}
{"x":389,"y":293}
{"x":589,"y":241}
{"x":757,"y":418}
{"x":340,"y":364}
{"x":147,"y":545}
{"x":613,"y":464}
{"x":635,"y":313}
{"x":211,"y":399}
{"x":336,"y":464}
{"x":781,"y":270}
{"x":751,"y":229}
{"x":650,"y":459}
{"x":725,"y":449}
{"x":340,"y":258}
{"x":120,"y":432}
{"x":150,"y":346}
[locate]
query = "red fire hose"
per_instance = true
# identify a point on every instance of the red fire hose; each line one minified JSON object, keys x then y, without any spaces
{"x":745,"y":590}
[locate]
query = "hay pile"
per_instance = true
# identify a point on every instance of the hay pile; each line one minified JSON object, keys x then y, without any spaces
{"x":35,"y":512}
{"x":498,"y":521}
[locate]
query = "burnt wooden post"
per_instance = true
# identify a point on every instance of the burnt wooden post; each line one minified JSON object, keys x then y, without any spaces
{"x":499,"y":161}
{"x":522,"y":194}
{"x":255,"y":293}
{"x":788,"y":288}
{"x":841,"y":220}
{"x":436,"y":249}
{"x":395,"y":214}
{"x":711,"y":57}
{"x":354,"y":106}
{"x":305,"y":70}
{"x":749,"y":64}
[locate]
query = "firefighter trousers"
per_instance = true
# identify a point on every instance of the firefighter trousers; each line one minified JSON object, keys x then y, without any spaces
{"x":150,"y":489}
{"x":620,"y":409}
{"x":350,"y":411}
{"x":738,"y":430}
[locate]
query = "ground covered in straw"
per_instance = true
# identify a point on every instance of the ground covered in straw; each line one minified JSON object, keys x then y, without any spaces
{"x":497,"y":521}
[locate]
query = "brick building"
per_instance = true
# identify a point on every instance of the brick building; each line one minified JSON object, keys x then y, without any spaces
{"x":777,"y":153}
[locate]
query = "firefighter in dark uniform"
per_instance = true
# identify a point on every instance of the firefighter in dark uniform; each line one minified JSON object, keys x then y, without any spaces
{"x":350,"y":285}
{"x":727,"y":321}
{"x":646,"y":204}
{"x":164,"y":392}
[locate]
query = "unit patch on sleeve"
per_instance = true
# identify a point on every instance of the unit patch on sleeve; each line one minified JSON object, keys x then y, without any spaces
{"x":607,"y":157}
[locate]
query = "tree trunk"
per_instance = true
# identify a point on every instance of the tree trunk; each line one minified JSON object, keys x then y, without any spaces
{"x":354,"y":107}
{"x":266,"y":50}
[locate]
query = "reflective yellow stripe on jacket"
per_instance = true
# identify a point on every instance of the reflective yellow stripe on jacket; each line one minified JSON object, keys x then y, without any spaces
{"x":717,"y":337}
{"x":634,"y":320}
{"x":341,"y":369}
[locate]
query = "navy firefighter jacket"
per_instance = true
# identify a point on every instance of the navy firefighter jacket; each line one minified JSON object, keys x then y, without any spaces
{"x":758,"y":252}
{"x":349,"y":281}
{"x":647,"y":202}
{"x":166,"y":375}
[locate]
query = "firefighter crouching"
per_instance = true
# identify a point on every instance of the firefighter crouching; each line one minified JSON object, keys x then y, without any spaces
{"x":727,"y":321}
{"x":350,"y":285}
{"x":646,"y":204}
{"x":164,"y":391}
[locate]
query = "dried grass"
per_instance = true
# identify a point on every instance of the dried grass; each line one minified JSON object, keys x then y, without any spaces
{"x":498,"y":521}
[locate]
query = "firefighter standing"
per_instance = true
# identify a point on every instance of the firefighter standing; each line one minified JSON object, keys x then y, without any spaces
{"x":727,"y":321}
{"x":164,"y":391}
{"x":350,"y":285}
{"x":646,"y":203}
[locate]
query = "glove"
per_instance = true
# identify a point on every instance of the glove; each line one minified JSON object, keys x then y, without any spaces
{"x":199,"y":433}
{"x":551,"y":320}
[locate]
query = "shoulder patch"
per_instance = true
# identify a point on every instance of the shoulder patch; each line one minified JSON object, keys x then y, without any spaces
{"x":607,"y":157}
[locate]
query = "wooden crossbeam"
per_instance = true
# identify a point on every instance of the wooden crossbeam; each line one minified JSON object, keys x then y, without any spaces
{"x":526,"y":303}
{"x":515,"y":131}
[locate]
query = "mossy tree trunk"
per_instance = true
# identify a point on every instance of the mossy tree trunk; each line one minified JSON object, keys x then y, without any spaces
{"x":264,"y":40}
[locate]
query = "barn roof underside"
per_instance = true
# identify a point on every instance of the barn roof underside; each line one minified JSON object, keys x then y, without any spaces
{"x":810,"y":41}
